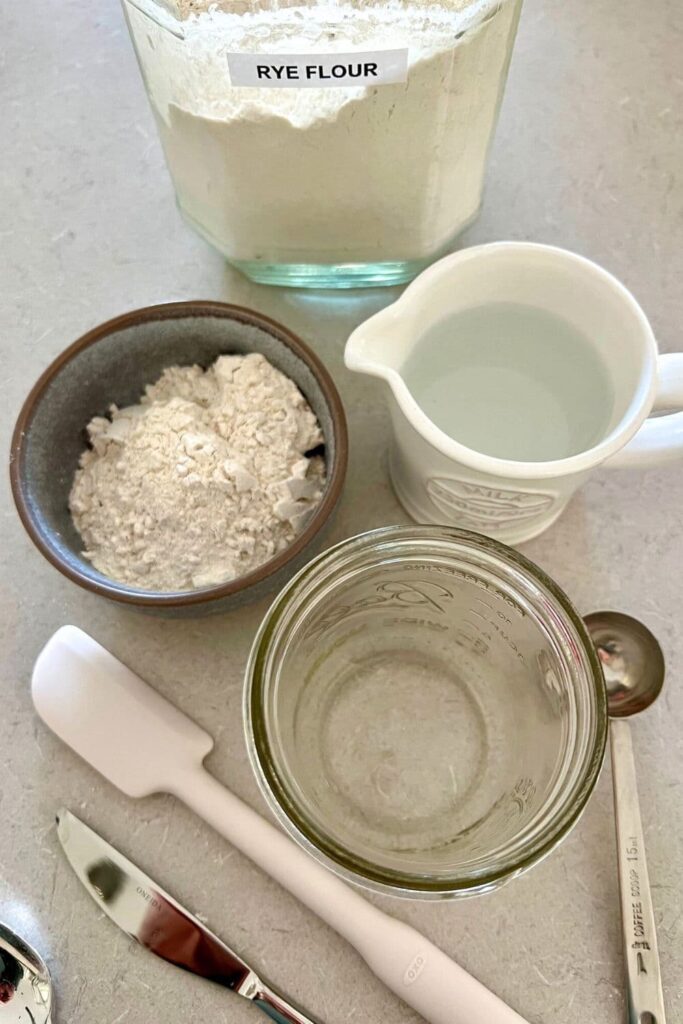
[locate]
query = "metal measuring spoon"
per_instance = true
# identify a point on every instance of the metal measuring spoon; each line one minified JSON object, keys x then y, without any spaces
{"x":633,"y":667}
{"x":25,"y":986}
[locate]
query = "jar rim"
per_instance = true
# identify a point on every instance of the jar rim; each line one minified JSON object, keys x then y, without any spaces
{"x":278,"y":795}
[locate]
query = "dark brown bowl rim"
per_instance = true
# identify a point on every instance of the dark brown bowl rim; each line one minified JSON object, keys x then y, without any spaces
{"x":174,"y":311}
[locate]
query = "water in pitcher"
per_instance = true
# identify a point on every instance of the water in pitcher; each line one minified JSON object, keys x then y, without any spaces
{"x":512,"y":381}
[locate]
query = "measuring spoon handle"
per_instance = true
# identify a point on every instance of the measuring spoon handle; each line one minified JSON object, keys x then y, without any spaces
{"x":645,"y":999}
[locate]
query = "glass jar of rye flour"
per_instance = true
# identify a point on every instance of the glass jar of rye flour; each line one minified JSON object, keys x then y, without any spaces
{"x":328,"y":143}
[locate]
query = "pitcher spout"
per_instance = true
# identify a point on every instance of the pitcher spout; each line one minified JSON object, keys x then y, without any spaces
{"x":375,"y":347}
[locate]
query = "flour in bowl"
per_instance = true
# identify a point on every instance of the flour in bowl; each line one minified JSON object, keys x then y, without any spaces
{"x":207,"y":478}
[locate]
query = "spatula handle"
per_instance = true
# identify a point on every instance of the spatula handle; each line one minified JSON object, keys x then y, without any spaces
{"x":417,"y":971}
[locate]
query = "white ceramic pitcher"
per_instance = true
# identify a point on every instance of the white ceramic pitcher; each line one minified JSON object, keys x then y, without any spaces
{"x":439,"y":480}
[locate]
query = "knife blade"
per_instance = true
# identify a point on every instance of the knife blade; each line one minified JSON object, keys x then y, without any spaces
{"x":148,"y":914}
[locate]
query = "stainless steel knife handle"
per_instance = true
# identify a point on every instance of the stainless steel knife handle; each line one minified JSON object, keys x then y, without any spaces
{"x":273,"y":1003}
{"x":280,"y":1009}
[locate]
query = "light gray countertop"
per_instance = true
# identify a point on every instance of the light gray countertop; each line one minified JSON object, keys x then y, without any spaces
{"x":588,"y":155}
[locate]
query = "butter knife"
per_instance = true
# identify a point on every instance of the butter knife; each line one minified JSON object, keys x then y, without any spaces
{"x":145,"y":912}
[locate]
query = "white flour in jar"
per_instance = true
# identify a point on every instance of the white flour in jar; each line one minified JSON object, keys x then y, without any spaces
{"x":203,"y":481}
{"x":317,"y":175}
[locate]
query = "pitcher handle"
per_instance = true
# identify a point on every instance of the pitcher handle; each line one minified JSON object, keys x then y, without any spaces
{"x":660,"y":439}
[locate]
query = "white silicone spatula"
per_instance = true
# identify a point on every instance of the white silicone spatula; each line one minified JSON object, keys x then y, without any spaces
{"x":144,"y":745}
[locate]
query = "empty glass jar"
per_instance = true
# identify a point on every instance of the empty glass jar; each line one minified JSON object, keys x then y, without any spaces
{"x":425,"y":711}
{"x":328,"y":143}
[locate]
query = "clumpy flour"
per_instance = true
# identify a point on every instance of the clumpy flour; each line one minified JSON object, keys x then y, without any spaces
{"x":327,"y":175}
{"x":202,"y":481}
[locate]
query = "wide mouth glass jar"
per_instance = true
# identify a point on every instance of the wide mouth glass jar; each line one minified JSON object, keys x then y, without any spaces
{"x":424,"y":711}
{"x":326,"y":143}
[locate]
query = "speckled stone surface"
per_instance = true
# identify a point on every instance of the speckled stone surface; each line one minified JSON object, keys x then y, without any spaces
{"x":588,"y":155}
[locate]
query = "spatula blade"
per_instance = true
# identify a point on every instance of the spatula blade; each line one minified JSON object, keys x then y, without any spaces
{"x":113,"y":718}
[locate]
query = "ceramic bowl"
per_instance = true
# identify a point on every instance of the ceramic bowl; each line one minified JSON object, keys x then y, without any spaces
{"x":113,"y":363}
